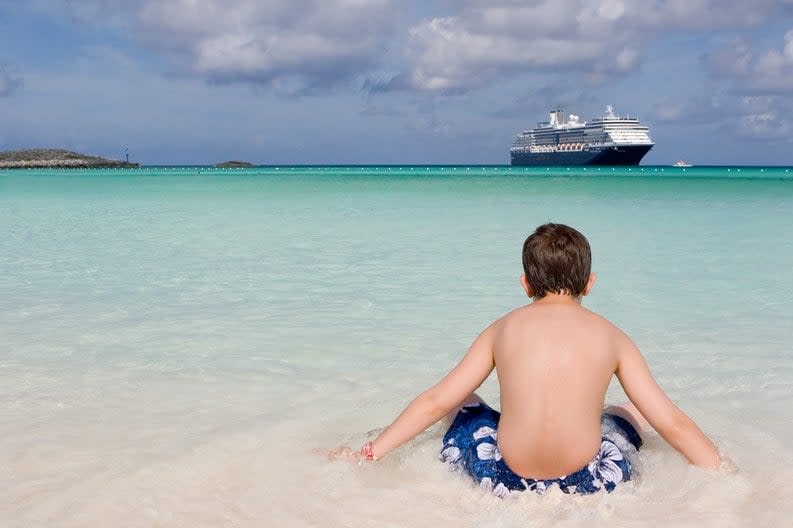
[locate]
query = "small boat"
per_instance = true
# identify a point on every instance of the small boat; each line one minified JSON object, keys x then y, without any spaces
{"x":681,"y":163}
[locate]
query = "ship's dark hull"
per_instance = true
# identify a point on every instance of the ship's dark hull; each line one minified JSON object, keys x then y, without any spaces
{"x":631,"y":155}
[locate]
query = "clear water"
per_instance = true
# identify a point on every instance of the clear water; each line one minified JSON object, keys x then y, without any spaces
{"x":174,"y":343}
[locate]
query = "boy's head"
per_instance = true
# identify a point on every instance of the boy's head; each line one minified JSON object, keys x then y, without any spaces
{"x":557,"y":259}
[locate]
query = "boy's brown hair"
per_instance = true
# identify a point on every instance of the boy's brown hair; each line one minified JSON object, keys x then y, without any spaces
{"x":557,"y":259}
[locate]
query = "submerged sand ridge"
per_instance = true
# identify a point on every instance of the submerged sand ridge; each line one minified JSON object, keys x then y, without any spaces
{"x":56,"y":158}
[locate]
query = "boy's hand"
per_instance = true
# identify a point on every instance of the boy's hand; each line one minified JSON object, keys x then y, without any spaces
{"x":344,"y":452}
{"x":726,"y":465}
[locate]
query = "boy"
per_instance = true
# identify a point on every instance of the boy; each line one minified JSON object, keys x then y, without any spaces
{"x":554,"y":360}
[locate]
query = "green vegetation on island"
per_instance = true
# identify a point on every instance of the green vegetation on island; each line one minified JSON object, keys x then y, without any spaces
{"x":56,"y":158}
{"x":234,"y":164}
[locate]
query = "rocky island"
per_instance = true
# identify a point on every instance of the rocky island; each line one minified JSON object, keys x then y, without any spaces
{"x":234,"y":164}
{"x":56,"y":158}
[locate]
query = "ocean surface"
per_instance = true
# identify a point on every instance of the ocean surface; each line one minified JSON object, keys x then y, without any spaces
{"x":176,"y":342}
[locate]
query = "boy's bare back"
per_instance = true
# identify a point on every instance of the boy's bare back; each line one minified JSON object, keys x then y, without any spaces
{"x":554,"y":360}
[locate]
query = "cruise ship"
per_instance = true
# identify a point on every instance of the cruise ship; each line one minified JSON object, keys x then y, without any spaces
{"x":607,"y":140}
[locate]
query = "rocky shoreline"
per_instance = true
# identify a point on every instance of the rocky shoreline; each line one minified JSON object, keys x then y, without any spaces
{"x":56,"y":159}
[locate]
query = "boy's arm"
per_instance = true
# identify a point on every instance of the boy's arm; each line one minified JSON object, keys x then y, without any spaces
{"x":436,"y":402}
{"x":670,"y":422}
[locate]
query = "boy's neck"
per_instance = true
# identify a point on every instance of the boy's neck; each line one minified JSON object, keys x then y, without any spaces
{"x":558,"y":298}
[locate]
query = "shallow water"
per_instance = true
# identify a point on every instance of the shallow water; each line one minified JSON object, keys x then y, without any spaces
{"x":175,"y":342}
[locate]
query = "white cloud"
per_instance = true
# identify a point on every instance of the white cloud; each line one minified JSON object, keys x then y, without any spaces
{"x":294,"y":46}
{"x":8,"y":84}
{"x":487,"y":39}
{"x":699,"y":110}
{"x":309,"y":46}
{"x":768,"y":115}
{"x":767,"y":126}
{"x":731,"y":61}
{"x":670,"y":111}
{"x":789,"y":45}
{"x":773,"y":70}
{"x":769,"y":72}
{"x":761,"y":82}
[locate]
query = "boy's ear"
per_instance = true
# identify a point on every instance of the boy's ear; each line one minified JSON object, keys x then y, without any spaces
{"x":524,"y":281}
{"x":590,"y":282}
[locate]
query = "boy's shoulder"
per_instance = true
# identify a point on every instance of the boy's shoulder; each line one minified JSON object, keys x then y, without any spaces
{"x":576,"y":316}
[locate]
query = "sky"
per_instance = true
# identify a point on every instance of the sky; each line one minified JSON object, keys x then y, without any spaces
{"x":390,"y":81}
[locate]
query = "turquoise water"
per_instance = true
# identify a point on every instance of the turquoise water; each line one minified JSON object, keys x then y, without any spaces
{"x":175,"y":341}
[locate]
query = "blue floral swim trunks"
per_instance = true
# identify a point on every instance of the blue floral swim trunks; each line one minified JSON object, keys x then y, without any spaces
{"x":470,"y":445}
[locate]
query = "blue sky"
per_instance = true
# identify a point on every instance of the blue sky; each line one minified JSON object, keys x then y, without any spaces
{"x":386,"y":81}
